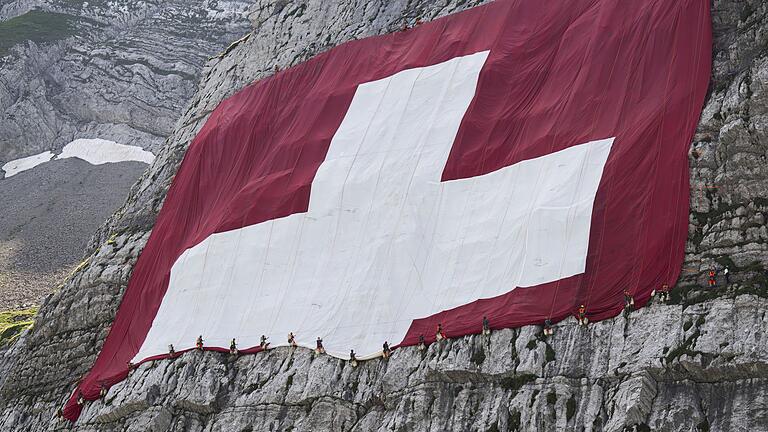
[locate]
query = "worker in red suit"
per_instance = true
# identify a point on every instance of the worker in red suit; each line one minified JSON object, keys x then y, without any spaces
{"x":439,"y":334}
{"x":662,"y":293}
{"x":548,"y":331}
{"x":629,"y":301}
{"x":583,"y":320}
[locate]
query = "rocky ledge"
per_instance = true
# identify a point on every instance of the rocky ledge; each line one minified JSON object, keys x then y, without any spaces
{"x":665,"y":367}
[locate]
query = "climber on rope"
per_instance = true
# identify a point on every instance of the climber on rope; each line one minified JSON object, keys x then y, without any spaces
{"x":385,"y":350}
{"x":171,"y":351}
{"x":629,"y":301}
{"x":233,"y":347}
{"x":102,"y":390}
{"x":80,"y":398}
{"x":548,"y":331}
{"x":662,"y":292}
{"x":422,"y":343}
{"x":319,"y":349}
{"x":291,"y":339}
{"x":59,"y":413}
{"x":712,"y":276}
{"x":583,"y":320}
{"x":263,"y":343}
{"x":439,"y":334}
{"x":727,"y":274}
{"x":199,"y":343}
{"x":131,"y":366}
{"x":352,"y":358}
{"x":486,"y":326}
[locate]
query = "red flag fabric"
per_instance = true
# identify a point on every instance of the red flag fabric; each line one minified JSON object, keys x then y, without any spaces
{"x":592,"y":91}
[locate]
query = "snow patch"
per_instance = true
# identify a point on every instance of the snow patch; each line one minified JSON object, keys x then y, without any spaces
{"x":95,"y":151}
{"x":100,"y":151}
{"x":18,"y":165}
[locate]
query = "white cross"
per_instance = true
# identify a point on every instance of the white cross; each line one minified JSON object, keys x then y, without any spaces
{"x":384,"y":241}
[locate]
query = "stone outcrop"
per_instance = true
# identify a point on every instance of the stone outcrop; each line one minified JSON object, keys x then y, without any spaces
{"x":116,"y":70}
{"x":121,"y":71}
{"x":697,"y":364}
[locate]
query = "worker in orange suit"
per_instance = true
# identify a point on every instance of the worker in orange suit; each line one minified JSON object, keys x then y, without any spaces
{"x":583,"y":320}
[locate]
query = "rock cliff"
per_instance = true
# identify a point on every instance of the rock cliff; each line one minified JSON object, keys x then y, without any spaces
{"x":121,"y":71}
{"x":699,"y":363}
{"x":69,"y":69}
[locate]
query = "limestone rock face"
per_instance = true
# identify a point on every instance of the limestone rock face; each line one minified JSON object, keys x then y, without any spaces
{"x":117,"y":70}
{"x":122,"y":71}
{"x":699,"y":363}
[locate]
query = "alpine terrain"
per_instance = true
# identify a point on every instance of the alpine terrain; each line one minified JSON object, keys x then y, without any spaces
{"x":132,"y":73}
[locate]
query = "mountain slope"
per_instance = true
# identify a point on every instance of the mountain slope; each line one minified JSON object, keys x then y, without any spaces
{"x":696,"y":364}
{"x":73,"y":70}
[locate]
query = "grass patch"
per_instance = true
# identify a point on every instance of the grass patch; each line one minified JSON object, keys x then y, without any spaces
{"x":13,"y":323}
{"x":36,"y":26}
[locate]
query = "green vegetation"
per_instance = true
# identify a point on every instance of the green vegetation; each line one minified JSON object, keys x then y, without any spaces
{"x":570,"y":408}
{"x":549,"y":354}
{"x":552,"y":398}
{"x":685,"y":347}
{"x":36,"y":26}
{"x":478,"y":357}
{"x":513,"y":421}
{"x":753,"y":280}
{"x":687,"y":325}
{"x":516,"y":382}
{"x":533,"y":398}
{"x":13,"y":323}
{"x":597,"y":423}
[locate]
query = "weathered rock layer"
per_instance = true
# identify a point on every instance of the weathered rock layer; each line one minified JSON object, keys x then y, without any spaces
{"x":116,"y":70}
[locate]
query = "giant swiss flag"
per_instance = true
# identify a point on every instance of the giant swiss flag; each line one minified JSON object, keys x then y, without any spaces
{"x":512,"y":161}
